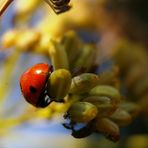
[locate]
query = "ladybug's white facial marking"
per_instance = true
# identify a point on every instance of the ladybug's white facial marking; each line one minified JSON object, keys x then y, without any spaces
{"x":47,"y":99}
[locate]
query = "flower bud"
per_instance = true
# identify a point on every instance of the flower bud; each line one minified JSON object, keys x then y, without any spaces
{"x":28,"y":40}
{"x":132,"y":108}
{"x":103,"y":104}
{"x":141,"y":87}
{"x":72,"y":45}
{"x":59,"y":84}
{"x":9,"y":38}
{"x":110,"y":77}
{"x":108,"y":128}
{"x":58,"y":55}
{"x":83,"y":83}
{"x":121,"y":117}
{"x":86,"y":58}
{"x":82,"y":112}
{"x":108,"y":91}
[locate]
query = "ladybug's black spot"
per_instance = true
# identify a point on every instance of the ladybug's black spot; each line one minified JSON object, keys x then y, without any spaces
{"x":32,"y":89}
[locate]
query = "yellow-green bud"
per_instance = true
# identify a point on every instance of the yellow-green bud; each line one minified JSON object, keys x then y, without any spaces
{"x":59,"y":84}
{"x":108,"y":128}
{"x":86,"y":57}
{"x":103,"y":104}
{"x":28,"y":40}
{"x":108,"y":91}
{"x":141,"y":87}
{"x":82,"y":112}
{"x":121,"y":117}
{"x":110,"y":77}
{"x":72,"y":45}
{"x":58,"y":55}
{"x":132,"y":108}
{"x":83,"y":83}
{"x":9,"y":38}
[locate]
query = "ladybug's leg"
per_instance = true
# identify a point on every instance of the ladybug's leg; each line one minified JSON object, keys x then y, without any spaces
{"x":44,"y":100}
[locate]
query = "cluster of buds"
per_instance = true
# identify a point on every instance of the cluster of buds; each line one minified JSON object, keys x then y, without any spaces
{"x":68,"y":52}
{"x":94,"y":99}
{"x":98,"y":106}
{"x":132,"y":60}
{"x":89,"y":98}
{"x":93,"y":104}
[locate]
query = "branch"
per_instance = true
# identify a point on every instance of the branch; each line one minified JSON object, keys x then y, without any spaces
{"x":3,"y":5}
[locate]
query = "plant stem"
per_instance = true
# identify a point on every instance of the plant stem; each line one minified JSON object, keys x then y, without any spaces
{"x":3,"y":5}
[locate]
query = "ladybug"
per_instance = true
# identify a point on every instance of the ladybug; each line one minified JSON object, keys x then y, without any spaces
{"x":33,"y":84}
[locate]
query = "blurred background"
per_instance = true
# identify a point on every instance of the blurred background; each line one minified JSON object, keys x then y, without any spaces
{"x":104,"y":22}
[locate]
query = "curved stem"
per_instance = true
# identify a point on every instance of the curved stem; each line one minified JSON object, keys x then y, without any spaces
{"x":4,"y":5}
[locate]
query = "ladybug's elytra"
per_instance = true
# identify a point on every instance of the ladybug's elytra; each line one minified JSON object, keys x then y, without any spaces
{"x":33,"y":84}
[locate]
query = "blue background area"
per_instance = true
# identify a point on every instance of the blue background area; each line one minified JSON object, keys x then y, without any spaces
{"x":26,"y":132}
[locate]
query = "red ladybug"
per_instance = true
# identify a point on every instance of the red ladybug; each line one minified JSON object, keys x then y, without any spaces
{"x":33,"y":84}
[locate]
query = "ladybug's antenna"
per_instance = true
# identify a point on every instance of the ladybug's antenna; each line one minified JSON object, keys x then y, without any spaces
{"x":4,"y":5}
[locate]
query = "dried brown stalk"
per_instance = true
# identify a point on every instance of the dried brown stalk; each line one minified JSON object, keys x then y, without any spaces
{"x":4,"y":5}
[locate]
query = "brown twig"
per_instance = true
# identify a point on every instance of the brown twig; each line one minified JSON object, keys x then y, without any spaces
{"x":4,"y":5}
